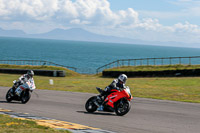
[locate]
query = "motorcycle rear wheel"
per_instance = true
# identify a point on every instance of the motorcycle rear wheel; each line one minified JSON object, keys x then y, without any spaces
{"x":90,"y":106}
{"x":122,"y":107}
{"x":8,"y":96}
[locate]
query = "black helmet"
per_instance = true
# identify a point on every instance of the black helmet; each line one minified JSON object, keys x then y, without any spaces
{"x":30,"y":73}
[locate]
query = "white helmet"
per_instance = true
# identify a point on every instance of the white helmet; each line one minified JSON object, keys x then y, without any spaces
{"x":30,"y":73}
{"x":122,"y":78}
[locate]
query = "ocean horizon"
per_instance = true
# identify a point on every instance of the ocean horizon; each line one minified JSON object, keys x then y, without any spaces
{"x":85,"y":56}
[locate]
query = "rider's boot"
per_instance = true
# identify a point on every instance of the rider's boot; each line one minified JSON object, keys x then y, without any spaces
{"x":100,"y":108}
{"x":100,"y":100}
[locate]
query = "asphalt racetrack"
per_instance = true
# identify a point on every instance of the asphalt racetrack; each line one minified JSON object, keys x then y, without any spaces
{"x":145,"y":116}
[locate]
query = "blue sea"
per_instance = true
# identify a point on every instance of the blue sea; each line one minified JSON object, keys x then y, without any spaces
{"x":85,"y":56}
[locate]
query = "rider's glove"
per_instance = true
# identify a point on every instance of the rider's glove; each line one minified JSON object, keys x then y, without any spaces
{"x":22,"y":81}
{"x":106,"y":89}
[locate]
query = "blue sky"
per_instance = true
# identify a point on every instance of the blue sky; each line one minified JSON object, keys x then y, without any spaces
{"x":159,"y":6}
{"x":149,"y":20}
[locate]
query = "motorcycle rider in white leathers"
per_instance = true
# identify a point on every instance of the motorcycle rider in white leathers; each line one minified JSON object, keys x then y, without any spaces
{"x":28,"y":77}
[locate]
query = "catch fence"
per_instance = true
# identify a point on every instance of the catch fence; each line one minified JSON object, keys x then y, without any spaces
{"x":193,"y":60}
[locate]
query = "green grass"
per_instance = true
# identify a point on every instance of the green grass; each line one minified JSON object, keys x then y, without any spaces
{"x":185,"y":89}
{"x":154,"y":68}
{"x":13,"y":125}
{"x":177,"y":89}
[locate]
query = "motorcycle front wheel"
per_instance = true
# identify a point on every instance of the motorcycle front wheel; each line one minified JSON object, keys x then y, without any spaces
{"x":25,"y":96}
{"x":90,"y":106}
{"x":122,"y":107}
{"x":8,"y":96}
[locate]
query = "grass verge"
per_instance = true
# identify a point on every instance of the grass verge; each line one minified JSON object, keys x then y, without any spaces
{"x":185,"y":89}
{"x":13,"y":125}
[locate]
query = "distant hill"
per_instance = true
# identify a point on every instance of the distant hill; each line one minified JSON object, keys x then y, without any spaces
{"x":12,"y":33}
{"x":83,"y":35}
{"x":78,"y":34}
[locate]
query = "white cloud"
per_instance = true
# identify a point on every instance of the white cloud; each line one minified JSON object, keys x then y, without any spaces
{"x":65,"y":10}
{"x":79,"y":22}
{"x":28,"y":9}
{"x":187,"y":27}
{"x":96,"y":15}
{"x":68,"y":8}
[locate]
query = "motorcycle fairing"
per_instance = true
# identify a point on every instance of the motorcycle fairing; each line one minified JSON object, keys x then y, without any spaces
{"x":114,"y":97}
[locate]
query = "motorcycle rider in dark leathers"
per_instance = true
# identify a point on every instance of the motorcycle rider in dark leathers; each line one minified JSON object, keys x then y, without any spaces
{"x":118,"y":84}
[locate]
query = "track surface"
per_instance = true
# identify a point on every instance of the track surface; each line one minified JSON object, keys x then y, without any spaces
{"x":146,"y":115}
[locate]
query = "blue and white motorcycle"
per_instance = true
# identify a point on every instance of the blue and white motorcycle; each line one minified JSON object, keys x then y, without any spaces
{"x":21,"y":92}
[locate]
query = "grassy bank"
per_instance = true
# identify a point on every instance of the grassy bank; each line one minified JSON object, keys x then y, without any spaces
{"x":154,"y":68}
{"x":178,"y":89}
{"x":68,"y":72}
{"x":13,"y":125}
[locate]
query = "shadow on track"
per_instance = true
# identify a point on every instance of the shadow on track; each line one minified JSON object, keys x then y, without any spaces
{"x":15,"y":102}
{"x":97,"y":113}
{"x":36,"y":94}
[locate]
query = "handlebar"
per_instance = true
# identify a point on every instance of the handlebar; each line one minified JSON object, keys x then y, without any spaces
{"x":99,"y":89}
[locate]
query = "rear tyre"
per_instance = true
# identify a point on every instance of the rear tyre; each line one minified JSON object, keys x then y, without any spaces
{"x":90,"y":106}
{"x":122,"y":107}
{"x":8,"y":96}
{"x":25,"y":96}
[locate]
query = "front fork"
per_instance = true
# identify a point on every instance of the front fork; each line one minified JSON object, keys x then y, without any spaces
{"x":12,"y":90}
{"x":121,"y":103}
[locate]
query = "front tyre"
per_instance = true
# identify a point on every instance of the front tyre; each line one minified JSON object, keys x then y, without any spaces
{"x":25,"y":96}
{"x":8,"y":96}
{"x":122,"y":107}
{"x":90,"y":106}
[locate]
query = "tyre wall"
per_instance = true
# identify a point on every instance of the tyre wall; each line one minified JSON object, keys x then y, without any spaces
{"x":53,"y":73}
